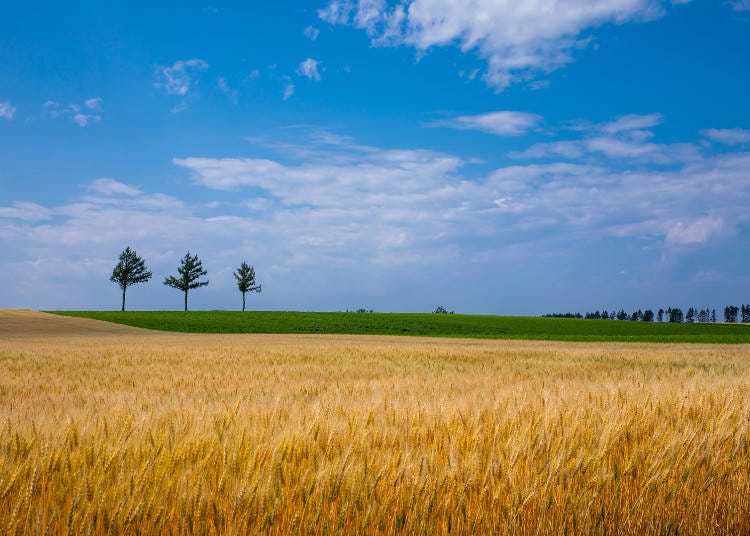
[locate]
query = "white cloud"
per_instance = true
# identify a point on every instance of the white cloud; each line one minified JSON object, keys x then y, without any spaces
{"x":224,"y":87}
{"x":695,"y":232}
{"x":728,"y":136}
{"x":288,"y":90}
{"x":632,"y":122}
{"x":94,"y":104}
{"x":312,"y":33}
{"x":30,"y":212}
{"x":309,"y":68}
{"x":328,"y":210}
{"x":81,"y":114}
{"x":501,"y":123}
{"x":108,"y":186}
{"x":539,"y":84}
{"x":6,"y":110}
{"x":517,"y":39}
{"x":741,"y":5}
{"x":179,"y":107}
{"x":337,"y":12}
{"x":180,"y":77}
{"x":623,"y":139}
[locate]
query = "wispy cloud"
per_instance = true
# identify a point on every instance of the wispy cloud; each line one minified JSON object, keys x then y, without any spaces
{"x":179,"y":78}
{"x":741,"y":5}
{"x":25,"y":211}
{"x":309,"y":69}
{"x":225,"y":88}
{"x":288,"y":90}
{"x":632,"y":122}
{"x":626,"y":138}
{"x":501,"y":123}
{"x":312,"y":33}
{"x":727,"y":136}
{"x":6,"y":110}
{"x":81,"y":114}
{"x":518,"y":40}
{"x":107,"y":186}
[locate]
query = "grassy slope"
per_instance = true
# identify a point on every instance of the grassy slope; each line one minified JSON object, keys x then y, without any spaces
{"x":474,"y":326}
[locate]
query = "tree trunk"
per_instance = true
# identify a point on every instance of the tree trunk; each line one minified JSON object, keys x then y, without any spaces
{"x":243,"y":302}
{"x":186,"y":301}
{"x":123,"y":300}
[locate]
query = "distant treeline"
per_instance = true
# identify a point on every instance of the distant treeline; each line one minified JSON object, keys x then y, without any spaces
{"x":732,"y":313}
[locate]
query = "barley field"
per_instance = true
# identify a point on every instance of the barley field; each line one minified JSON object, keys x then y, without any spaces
{"x":107,"y":429}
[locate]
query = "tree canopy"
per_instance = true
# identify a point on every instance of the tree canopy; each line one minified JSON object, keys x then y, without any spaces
{"x":245,"y":277}
{"x":129,"y":270}
{"x":190,"y":271}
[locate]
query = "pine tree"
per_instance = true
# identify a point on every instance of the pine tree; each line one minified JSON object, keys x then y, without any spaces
{"x":660,"y":315}
{"x":245,"y":276}
{"x":675,"y":314}
{"x":190,"y":270}
{"x":129,"y":270}
{"x":730,"y":313}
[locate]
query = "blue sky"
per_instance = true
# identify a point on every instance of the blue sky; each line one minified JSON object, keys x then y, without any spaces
{"x":490,"y":156}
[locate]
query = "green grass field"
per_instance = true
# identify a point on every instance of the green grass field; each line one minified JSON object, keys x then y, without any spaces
{"x":432,"y":325}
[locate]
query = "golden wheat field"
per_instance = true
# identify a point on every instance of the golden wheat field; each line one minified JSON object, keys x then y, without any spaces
{"x":112,"y":430}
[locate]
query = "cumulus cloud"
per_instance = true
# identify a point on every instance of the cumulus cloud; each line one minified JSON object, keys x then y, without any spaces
{"x":501,"y":123}
{"x":727,"y":136}
{"x":312,"y":33}
{"x":6,"y":110}
{"x":309,"y":69}
{"x":179,"y":78}
{"x":517,"y":39}
{"x":317,"y":206}
{"x":695,"y":232}
{"x":81,"y":114}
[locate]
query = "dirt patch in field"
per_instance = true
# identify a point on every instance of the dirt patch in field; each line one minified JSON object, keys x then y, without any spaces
{"x":23,"y":323}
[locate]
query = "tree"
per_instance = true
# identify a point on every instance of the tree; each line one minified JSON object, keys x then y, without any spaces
{"x":440,"y":310}
{"x":690,"y":316}
{"x":245,"y":276}
{"x":190,"y":270}
{"x":675,"y":315}
{"x":730,"y":313}
{"x":129,"y":270}
{"x":713,"y":315}
{"x":648,"y":315}
{"x":745,"y":313}
{"x":660,"y":315}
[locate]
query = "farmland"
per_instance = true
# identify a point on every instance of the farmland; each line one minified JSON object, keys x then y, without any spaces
{"x":109,"y":429}
{"x":431,"y":325}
